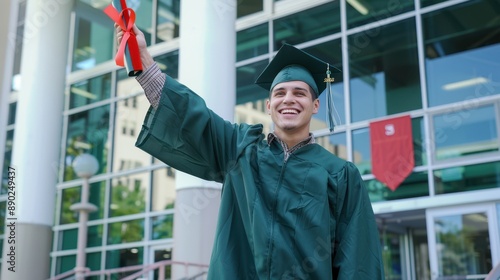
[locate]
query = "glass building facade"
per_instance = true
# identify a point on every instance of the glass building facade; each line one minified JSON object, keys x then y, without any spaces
{"x":434,"y":60}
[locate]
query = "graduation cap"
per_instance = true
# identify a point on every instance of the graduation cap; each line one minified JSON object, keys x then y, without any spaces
{"x":293,"y":64}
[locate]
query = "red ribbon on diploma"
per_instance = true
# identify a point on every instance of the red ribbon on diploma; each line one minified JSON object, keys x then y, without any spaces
{"x":126,"y":19}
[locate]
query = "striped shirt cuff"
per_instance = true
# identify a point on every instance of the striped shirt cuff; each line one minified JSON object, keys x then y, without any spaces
{"x":152,"y":81}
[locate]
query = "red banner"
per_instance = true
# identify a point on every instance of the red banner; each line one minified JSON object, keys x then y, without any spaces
{"x":391,"y":144}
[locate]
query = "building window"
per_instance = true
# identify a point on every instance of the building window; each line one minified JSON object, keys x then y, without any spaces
{"x":163,"y":190}
{"x":465,"y":131}
{"x":128,"y":195}
{"x":384,"y":71}
{"x":307,"y":25}
{"x":247,"y":7}
{"x":415,"y":185}
{"x":252,"y":42}
{"x":168,"y":20}
{"x":359,"y":12}
{"x":467,"y":178}
{"x":126,"y":231}
{"x":459,"y":46}
{"x":163,"y":227}
{"x":90,"y":91}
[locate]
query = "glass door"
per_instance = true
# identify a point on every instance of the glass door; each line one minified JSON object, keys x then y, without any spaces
{"x":463,"y":241}
{"x":157,"y":254}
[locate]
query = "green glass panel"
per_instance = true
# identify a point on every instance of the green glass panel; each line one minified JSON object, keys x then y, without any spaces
{"x":361,"y":12}
{"x":251,"y":42}
{"x":169,"y":63}
{"x":9,"y":141}
{"x":124,"y":232}
{"x":244,"y":8}
{"x":94,"y":36}
{"x":11,"y":119}
{"x":378,"y":57}
{"x":144,"y":11}
{"x":415,"y":185}
{"x":163,"y":255}
{"x":463,"y":245}
{"x":465,"y":132}
{"x":124,"y":258}
{"x":426,"y":3}
{"x":246,"y":89}
{"x":87,"y":132}
{"x":65,"y":263}
{"x":162,"y":227}
{"x":93,"y":262}
{"x":419,"y":147}
{"x":3,"y":209}
{"x":467,"y":178}
{"x":94,"y":236}
{"x":71,"y":196}
{"x":68,"y":239}
{"x":460,"y":42}
{"x":361,"y":153}
{"x":307,"y":25}
{"x":168,"y":20}
{"x":90,"y":91}
{"x":128,"y":195}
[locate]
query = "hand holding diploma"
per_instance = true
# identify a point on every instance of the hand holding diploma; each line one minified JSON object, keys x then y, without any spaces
{"x":132,"y":47}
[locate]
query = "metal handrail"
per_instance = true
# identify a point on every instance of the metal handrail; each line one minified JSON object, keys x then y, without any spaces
{"x":143,"y":269}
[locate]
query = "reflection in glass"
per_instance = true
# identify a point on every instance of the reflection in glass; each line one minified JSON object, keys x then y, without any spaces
{"x":163,"y":190}
{"x":67,"y":239}
{"x":71,"y":196}
{"x":465,"y":132}
{"x":7,"y":160}
{"x":11,"y":118}
{"x":459,"y":46}
{"x":128,"y":194}
{"x":467,"y":178}
{"x":252,"y":42}
{"x":425,"y":3}
{"x":163,"y":255}
{"x":248,"y":7}
{"x":246,"y":89}
{"x":330,"y":52}
{"x":361,"y":151}
{"x":93,"y":40}
{"x":384,"y":71}
{"x":94,"y":236}
{"x":87,"y":132}
{"x":168,"y":14}
{"x":335,"y":144}
{"x":162,"y":227}
{"x":65,"y":263}
{"x":93,"y":262}
{"x":143,"y":10}
{"x":3,"y":209}
{"x":307,"y":25}
{"x":391,"y":254}
{"x":124,"y":232}
{"x":123,"y":258}
{"x":361,"y":12}
{"x":415,"y":185}
{"x":169,"y":63}
{"x":90,"y":91}
{"x":463,"y":246}
{"x":419,"y":147}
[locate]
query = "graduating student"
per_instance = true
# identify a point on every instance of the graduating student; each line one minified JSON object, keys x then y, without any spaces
{"x":289,"y":208}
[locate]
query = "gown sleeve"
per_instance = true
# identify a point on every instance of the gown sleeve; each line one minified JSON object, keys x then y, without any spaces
{"x":356,"y":253}
{"x":183,"y":133}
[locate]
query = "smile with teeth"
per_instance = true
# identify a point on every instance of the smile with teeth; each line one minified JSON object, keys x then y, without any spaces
{"x":289,"y":111}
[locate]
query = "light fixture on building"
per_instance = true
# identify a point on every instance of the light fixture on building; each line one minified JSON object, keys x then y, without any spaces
{"x":85,"y":166}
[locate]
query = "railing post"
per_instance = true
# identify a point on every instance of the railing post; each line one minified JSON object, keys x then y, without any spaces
{"x":161,"y":273}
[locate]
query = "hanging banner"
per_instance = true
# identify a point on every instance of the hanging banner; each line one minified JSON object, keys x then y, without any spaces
{"x":391,"y":144}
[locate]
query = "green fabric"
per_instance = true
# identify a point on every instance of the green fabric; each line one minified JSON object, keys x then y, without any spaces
{"x":307,"y":218}
{"x":295,"y":73}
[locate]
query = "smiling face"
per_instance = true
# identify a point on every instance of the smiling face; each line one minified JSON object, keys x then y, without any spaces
{"x":291,"y":107}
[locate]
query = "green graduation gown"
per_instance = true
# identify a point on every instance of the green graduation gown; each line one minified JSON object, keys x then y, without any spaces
{"x":308,"y":217}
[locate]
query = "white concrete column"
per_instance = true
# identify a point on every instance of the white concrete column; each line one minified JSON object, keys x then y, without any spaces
{"x":206,"y":65}
{"x":8,"y":19}
{"x":37,"y":139}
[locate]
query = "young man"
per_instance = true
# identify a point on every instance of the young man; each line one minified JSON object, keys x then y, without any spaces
{"x":289,"y":208}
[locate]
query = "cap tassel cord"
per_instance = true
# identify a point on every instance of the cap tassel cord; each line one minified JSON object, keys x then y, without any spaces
{"x":330,"y":107}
